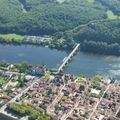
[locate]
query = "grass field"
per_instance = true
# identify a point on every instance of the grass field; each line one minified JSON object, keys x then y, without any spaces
{"x":91,"y":1}
{"x":10,"y":37}
{"x":80,"y":79}
{"x":60,"y":1}
{"x":3,"y":81}
{"x":111,"y":15}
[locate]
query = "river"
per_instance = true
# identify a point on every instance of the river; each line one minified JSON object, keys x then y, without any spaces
{"x":82,"y":63}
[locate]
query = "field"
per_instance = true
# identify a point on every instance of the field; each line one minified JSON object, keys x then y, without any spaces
{"x":94,"y":21}
{"x":111,"y":15}
{"x":3,"y":81}
{"x":60,"y":1}
{"x":10,"y":37}
{"x":91,"y":1}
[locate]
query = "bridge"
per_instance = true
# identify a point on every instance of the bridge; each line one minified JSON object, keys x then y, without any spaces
{"x":66,"y":61}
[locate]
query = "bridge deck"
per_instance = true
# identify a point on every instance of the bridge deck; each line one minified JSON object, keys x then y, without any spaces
{"x":68,"y":58}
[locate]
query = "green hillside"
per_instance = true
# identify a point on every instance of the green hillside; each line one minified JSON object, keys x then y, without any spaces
{"x":47,"y":16}
{"x":81,"y":20}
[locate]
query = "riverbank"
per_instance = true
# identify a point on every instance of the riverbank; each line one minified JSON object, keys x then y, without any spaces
{"x":48,"y":41}
{"x":101,"y":48}
{"x":53,"y":42}
{"x":82,"y":64}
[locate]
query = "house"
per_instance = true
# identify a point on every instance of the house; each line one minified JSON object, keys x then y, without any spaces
{"x":82,"y":88}
{"x":95,"y":91}
{"x":29,"y":77}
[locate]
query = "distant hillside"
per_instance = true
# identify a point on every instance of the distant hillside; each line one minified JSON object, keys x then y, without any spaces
{"x":93,"y":23}
{"x":47,"y":16}
{"x":97,"y":36}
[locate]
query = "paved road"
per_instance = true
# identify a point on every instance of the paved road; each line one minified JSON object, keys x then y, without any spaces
{"x":56,"y":100}
{"x":117,"y":111}
{"x":98,"y":102}
{"x":65,"y":116}
{"x":58,"y":97}
{"x":19,"y":95}
{"x":68,"y":58}
{"x":12,"y":73}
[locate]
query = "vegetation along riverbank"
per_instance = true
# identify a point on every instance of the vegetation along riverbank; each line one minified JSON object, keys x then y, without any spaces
{"x":95,"y":24}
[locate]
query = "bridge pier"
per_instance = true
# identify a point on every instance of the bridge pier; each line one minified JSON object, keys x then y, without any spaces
{"x":69,"y":58}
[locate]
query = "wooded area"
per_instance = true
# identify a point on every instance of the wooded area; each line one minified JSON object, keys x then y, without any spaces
{"x":79,"y":20}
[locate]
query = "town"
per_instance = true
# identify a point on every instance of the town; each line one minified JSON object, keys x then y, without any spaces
{"x":25,"y":88}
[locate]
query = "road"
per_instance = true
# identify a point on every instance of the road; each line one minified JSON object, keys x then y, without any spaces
{"x":65,"y":116}
{"x":12,"y":73}
{"x":19,"y":95}
{"x":117,"y":111}
{"x":68,"y":58}
{"x":38,"y":38}
{"x":58,"y":97}
{"x":56,"y":100}
{"x":99,"y":102}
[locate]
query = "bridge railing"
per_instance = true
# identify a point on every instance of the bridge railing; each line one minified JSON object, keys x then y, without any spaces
{"x":68,"y":58}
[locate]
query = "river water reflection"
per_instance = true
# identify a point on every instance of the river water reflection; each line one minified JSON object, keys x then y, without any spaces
{"x":83,"y":63}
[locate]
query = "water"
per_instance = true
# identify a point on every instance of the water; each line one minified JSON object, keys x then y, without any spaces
{"x":32,"y":54}
{"x":82,"y":64}
{"x":90,"y":65}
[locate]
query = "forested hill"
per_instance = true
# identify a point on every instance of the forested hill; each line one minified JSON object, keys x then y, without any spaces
{"x":48,"y":16}
{"x":93,"y":23}
{"x":97,"y":36}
